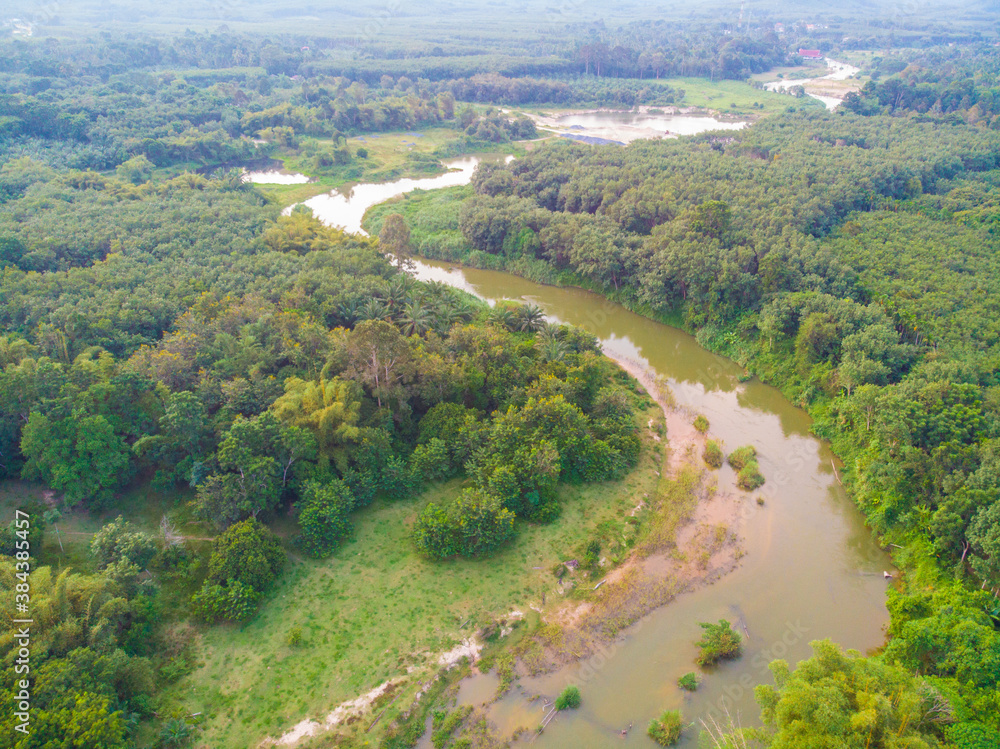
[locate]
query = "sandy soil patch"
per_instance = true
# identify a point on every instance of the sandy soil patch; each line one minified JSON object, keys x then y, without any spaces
{"x":705,"y":546}
{"x":342,"y":712}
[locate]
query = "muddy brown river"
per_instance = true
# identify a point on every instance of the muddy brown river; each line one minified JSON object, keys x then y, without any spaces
{"x":812,"y":569}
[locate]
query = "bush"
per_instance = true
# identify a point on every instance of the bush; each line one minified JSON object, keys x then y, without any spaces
{"x":474,"y":525}
{"x":667,"y":730}
{"x":741,"y":456}
{"x":750,"y":477}
{"x":701,"y":424}
{"x":236,"y":602}
{"x":570,"y":698}
{"x":294,"y":636}
{"x":719,"y":642}
{"x":712,"y":455}
{"x":249,"y":553}
{"x":432,"y":461}
{"x":688,"y":681}
{"x":592,"y":555}
{"x":325,"y":516}
{"x":399,"y":480}
{"x":118,"y":540}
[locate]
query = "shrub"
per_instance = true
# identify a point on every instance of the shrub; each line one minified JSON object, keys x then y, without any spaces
{"x":236,"y":602}
{"x":570,"y":698}
{"x":667,"y":730}
{"x":701,"y":424}
{"x":432,"y":461}
{"x":249,"y":553}
{"x":324,"y":516}
{"x":592,"y":555}
{"x":719,"y":642}
{"x":118,"y":540}
{"x":750,"y":477}
{"x":741,"y":456}
{"x":399,"y":480}
{"x":474,"y":525}
{"x":294,"y":636}
{"x":712,"y":454}
{"x":688,"y":681}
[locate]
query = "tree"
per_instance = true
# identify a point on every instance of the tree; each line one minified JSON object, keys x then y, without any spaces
{"x":712,"y":218}
{"x":118,"y":541}
{"x":378,"y":355}
{"x":246,"y":552}
{"x":324,"y":516}
{"x":473,"y":525}
{"x":136,"y":170}
{"x":78,"y":719}
{"x":79,"y":455}
{"x":250,"y":477}
{"x":843,"y":699}
{"x":394,"y":239}
{"x":984,"y":535}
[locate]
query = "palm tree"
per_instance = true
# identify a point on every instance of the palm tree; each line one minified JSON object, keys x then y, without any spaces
{"x":465,"y":308}
{"x":445,"y":317}
{"x":502,"y":316}
{"x":373,"y":309}
{"x":347,"y":312}
{"x":416,"y":319}
{"x":530,"y":318}
{"x":400,"y":291}
{"x":550,"y":344}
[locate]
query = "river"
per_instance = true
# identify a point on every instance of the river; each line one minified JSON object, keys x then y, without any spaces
{"x":623,"y":127}
{"x":839,"y":71}
{"x":345,"y":208}
{"x":811,"y":570}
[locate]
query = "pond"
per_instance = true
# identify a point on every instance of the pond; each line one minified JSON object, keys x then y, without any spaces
{"x":624,"y":127}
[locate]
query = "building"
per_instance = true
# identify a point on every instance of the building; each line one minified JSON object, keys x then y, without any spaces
{"x":811,"y":54}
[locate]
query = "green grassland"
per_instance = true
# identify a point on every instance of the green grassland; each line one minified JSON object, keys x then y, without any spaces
{"x":376,"y":609}
{"x":391,"y":156}
{"x":735,"y":97}
{"x":372,"y":612}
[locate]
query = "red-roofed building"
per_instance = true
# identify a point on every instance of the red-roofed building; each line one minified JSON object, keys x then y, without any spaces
{"x":812,"y":54}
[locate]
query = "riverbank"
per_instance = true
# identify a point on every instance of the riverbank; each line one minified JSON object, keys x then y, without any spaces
{"x":627,"y":652}
{"x":691,"y":537}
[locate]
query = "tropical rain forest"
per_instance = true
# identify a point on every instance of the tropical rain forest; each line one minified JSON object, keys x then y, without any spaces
{"x":482,"y":375}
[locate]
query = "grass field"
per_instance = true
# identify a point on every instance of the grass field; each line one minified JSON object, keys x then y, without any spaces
{"x":735,"y":97}
{"x":374,"y":611}
{"x":391,"y":156}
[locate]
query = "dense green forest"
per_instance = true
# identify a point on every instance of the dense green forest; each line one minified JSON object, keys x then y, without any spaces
{"x":289,"y":365}
{"x":168,"y":332}
{"x":850,"y":259}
